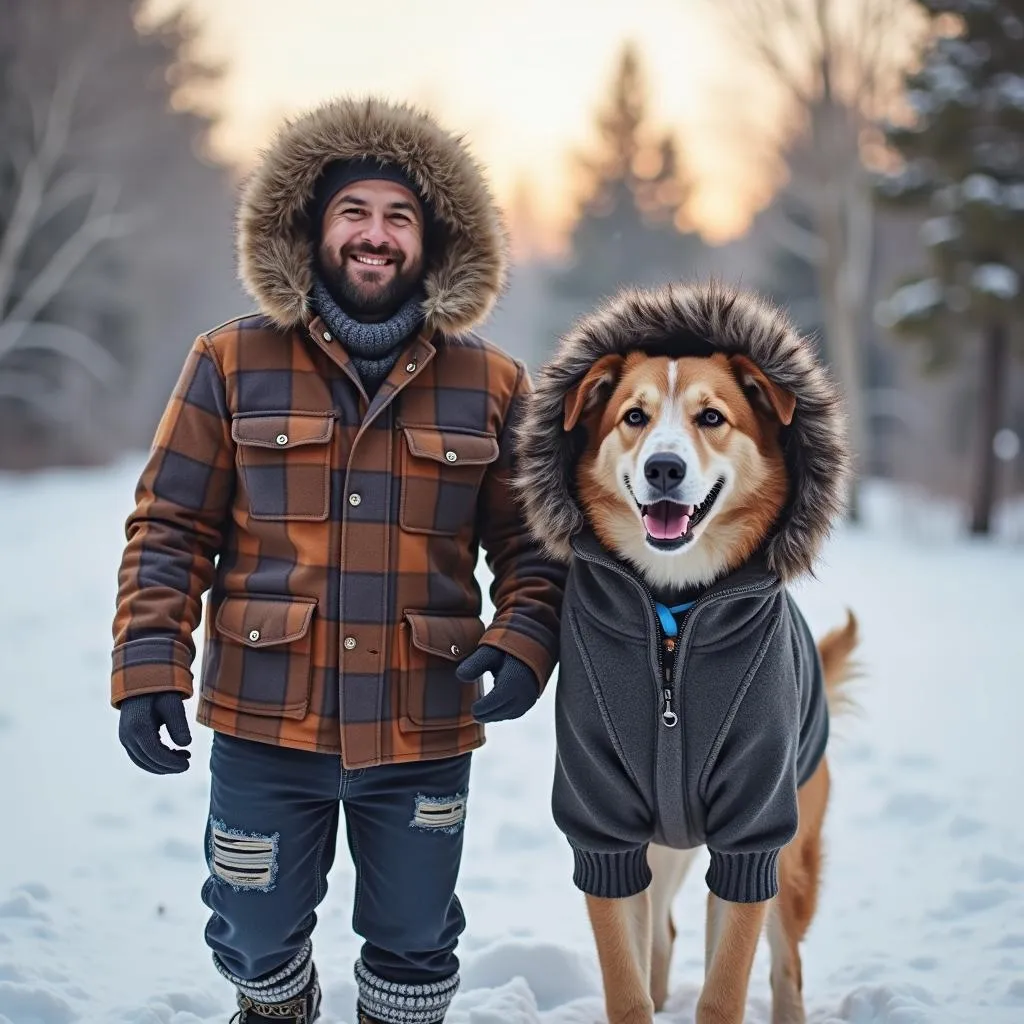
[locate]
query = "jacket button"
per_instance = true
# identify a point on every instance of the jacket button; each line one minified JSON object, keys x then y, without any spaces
{"x":410,"y":367}
{"x":282,"y":439}
{"x":450,"y":456}
{"x":456,"y":650}
{"x":327,"y":335}
{"x":350,"y":643}
{"x":354,"y":499}
{"x":254,"y":635}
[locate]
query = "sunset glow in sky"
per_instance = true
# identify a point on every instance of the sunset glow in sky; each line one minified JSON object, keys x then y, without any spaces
{"x":521,"y":79}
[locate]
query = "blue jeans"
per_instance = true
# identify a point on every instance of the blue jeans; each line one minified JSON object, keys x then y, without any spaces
{"x":270,"y":842}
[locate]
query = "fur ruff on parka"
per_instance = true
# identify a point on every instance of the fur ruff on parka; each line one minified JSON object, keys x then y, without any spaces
{"x":688,"y":319}
{"x":465,"y":268}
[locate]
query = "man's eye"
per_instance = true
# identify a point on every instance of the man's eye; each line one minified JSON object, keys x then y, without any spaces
{"x":710,"y":418}
{"x":635,"y":417}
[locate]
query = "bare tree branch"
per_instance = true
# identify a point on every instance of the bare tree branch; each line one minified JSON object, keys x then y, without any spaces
{"x":101,"y":224}
{"x":53,"y":128}
{"x":59,"y":339}
{"x":799,"y":241}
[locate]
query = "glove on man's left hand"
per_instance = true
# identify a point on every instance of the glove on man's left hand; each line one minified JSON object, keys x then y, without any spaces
{"x":515,"y":688}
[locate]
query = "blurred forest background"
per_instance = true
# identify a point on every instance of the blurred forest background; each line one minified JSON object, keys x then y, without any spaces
{"x":888,"y":216}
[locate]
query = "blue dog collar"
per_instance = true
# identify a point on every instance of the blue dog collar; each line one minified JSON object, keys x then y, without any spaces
{"x":667,"y":616}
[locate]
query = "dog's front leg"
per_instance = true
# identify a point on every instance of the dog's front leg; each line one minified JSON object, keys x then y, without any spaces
{"x":622,"y":929}
{"x":733,"y":930}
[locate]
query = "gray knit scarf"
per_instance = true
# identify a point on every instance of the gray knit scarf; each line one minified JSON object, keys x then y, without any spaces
{"x":373,"y":348}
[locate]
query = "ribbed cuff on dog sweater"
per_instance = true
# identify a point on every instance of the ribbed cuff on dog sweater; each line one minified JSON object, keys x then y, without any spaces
{"x":612,"y":875}
{"x":744,"y":877}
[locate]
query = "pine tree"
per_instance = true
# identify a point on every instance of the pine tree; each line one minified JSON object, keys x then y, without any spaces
{"x":631,"y":226}
{"x":963,"y":166}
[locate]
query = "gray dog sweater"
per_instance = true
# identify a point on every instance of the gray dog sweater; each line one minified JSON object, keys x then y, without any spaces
{"x":705,"y":745}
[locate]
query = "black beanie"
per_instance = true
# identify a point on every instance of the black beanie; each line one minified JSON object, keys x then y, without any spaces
{"x":341,"y":173}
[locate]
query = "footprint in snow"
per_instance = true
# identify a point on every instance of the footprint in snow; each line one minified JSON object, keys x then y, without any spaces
{"x":28,"y":1003}
{"x":962,"y":826}
{"x":915,"y":808}
{"x":554,"y":975}
{"x":39,"y":892}
{"x":997,"y":869}
{"x":972,"y":901}
{"x":23,"y":907}
{"x":175,"y":849}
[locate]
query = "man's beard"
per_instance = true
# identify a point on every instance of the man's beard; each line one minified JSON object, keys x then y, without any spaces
{"x":368,"y":300}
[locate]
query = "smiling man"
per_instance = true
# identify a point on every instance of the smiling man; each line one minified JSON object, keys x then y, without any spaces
{"x":369,"y":269}
{"x":329,"y":469}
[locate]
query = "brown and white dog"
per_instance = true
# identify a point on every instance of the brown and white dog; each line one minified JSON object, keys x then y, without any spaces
{"x":692,"y":432}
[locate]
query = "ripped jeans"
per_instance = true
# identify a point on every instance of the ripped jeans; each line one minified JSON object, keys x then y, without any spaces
{"x":270,"y":843}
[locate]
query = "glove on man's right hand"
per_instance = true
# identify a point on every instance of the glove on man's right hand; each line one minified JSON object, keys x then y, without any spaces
{"x":139,"y":731}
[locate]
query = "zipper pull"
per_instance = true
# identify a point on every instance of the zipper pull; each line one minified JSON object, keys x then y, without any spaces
{"x":668,"y":716}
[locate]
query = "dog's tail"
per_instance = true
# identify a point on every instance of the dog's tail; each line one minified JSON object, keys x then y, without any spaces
{"x":836,"y":648}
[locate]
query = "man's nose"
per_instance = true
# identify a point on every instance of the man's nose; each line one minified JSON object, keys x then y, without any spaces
{"x":375,"y":231}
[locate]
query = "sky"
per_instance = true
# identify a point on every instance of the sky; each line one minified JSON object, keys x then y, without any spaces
{"x":522,"y":80}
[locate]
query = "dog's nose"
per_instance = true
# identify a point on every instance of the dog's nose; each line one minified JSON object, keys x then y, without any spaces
{"x":664,"y":471}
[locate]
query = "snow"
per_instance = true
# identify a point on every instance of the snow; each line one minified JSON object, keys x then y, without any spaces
{"x":921,"y":916}
{"x":938,"y":231}
{"x":911,"y":302}
{"x":997,"y":280}
{"x":981,"y":188}
{"x":1010,"y":90}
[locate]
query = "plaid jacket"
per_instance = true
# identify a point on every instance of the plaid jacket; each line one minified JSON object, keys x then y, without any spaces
{"x":337,"y":537}
{"x":338,"y":540}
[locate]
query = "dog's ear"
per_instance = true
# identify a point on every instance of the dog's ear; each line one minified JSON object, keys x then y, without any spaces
{"x":584,"y":396}
{"x":762,"y":392}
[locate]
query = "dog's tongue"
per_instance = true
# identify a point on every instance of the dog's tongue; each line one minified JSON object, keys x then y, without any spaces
{"x":666,"y":520}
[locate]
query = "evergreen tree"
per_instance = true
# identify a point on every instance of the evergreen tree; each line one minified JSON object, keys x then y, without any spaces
{"x":963,"y":164}
{"x":631,"y":226}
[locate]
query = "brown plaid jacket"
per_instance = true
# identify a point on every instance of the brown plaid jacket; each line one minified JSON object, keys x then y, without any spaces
{"x":336,"y":537}
{"x":340,"y":539}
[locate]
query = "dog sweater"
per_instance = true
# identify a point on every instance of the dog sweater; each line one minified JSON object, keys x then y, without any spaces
{"x":705,"y":739}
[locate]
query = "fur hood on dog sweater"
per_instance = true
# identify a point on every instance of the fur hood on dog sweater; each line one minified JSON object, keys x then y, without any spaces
{"x":684,"y":319}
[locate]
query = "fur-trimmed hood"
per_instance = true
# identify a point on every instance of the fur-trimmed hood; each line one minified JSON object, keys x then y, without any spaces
{"x":685,"y":319}
{"x":275,"y":253}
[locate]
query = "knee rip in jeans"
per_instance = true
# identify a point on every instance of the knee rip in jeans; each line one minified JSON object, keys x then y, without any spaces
{"x":245,"y":860}
{"x":439,"y":813}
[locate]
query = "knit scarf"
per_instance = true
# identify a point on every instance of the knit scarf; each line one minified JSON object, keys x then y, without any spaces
{"x":373,"y":348}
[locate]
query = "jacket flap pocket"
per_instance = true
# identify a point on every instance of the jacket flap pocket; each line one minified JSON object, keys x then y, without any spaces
{"x":452,"y":447}
{"x":265,"y":621}
{"x":283,"y":430}
{"x":445,"y":636}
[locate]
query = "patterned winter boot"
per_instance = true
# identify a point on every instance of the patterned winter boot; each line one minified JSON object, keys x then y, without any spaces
{"x":391,"y":1002}
{"x":303,"y":1008}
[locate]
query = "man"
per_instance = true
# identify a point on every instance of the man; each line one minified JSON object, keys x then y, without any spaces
{"x":328,"y":469}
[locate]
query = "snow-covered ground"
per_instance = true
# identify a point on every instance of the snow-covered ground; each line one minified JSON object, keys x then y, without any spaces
{"x":922,"y":912}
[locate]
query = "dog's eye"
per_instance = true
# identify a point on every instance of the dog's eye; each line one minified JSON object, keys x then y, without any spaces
{"x":635,"y":417}
{"x":710,"y":418}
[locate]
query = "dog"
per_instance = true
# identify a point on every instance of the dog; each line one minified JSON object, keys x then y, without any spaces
{"x":685,"y":453}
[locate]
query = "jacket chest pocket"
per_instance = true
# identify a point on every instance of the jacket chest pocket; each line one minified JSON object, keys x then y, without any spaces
{"x":430,"y":695}
{"x":442,"y":471}
{"x":259,"y":660}
{"x":285,"y":463}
